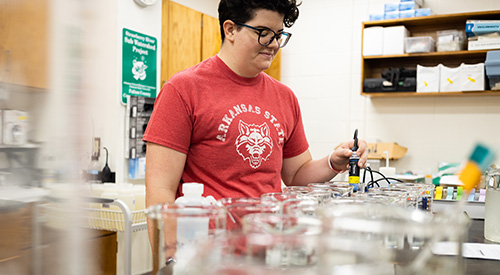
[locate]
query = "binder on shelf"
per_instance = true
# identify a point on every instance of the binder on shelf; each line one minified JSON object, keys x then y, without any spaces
{"x":480,"y":27}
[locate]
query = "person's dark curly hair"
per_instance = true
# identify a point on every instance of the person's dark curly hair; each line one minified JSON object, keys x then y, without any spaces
{"x":242,"y":11}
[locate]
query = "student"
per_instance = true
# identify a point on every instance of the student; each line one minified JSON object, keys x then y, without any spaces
{"x":227,"y":124}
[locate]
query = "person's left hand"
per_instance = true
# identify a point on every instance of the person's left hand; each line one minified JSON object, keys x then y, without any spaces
{"x":341,"y":155}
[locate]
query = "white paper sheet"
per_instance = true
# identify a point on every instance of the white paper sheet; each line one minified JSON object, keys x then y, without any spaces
{"x":470,"y":250}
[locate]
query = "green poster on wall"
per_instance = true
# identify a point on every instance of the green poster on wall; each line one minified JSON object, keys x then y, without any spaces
{"x":139,"y":65}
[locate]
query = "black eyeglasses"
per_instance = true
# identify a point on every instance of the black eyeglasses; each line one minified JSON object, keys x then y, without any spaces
{"x":267,"y":36}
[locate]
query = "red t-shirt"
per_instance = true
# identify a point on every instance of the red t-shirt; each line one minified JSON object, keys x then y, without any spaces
{"x":235,"y":130}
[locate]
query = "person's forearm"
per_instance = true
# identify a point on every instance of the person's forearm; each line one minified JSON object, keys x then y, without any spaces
{"x":314,"y":171}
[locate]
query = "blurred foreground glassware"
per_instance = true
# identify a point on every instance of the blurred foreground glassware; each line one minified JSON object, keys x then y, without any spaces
{"x":336,"y":189}
{"x":262,"y":253}
{"x":409,"y":196}
{"x":406,"y":235}
{"x":301,"y":251}
{"x":301,"y":207}
{"x":237,"y":208}
{"x":424,"y":191}
{"x":383,"y":198}
{"x":178,"y":229}
{"x":320,"y":194}
{"x":344,"y":186}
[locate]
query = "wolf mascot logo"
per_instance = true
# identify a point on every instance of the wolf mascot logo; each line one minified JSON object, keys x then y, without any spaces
{"x":254,"y":143}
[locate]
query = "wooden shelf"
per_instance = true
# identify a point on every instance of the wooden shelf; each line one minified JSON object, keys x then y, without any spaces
{"x":440,"y":94}
{"x":434,"y":21}
{"x":461,"y":54}
{"x":372,"y":66}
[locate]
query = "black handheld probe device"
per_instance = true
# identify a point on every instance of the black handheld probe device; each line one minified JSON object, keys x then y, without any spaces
{"x":353,"y":162}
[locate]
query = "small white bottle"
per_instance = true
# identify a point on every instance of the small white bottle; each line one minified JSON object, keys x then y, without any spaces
{"x":192,"y":225}
{"x":192,"y":195}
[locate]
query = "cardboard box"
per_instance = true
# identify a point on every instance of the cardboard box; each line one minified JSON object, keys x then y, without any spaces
{"x":376,"y":150}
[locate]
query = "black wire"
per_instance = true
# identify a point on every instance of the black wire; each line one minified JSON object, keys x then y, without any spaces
{"x":372,"y":182}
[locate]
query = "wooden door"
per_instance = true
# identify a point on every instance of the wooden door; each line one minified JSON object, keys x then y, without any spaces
{"x":184,"y":39}
{"x":275,"y":69}
{"x":211,"y":40}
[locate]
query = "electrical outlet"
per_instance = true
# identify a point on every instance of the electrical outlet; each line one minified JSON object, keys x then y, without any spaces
{"x":96,"y":147}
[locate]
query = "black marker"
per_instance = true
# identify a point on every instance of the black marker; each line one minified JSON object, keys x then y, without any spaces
{"x":353,"y":162}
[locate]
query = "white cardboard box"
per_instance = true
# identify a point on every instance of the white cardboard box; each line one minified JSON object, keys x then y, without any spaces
{"x":373,"y":41}
{"x":428,"y":79}
{"x":472,"y":78}
{"x":394,"y":40}
{"x":15,"y":127}
{"x":450,"y":79}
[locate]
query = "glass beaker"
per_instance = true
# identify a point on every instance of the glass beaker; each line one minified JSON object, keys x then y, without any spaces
{"x":346,"y":188}
{"x":410,"y":198}
{"x":237,"y":208}
{"x":248,"y":254}
{"x":406,"y":235}
{"x":299,"y":236}
{"x":383,"y":198}
{"x":322,"y":195}
{"x":492,"y":206}
{"x":177,"y":230}
{"x":424,"y":191}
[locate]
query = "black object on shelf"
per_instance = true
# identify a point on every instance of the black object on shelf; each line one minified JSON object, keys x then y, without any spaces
{"x":393,"y":80}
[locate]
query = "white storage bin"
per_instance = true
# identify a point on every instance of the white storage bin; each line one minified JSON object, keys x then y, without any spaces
{"x":422,"y":44}
{"x":373,"y":41}
{"x":394,"y":40}
{"x":428,"y":79}
{"x":472,"y":78}
{"x":449,"y":79}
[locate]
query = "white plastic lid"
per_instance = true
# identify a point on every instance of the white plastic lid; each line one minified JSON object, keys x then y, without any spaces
{"x":192,"y":189}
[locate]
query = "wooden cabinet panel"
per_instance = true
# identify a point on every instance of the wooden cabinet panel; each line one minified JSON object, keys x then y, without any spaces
{"x":211,"y":41}
{"x":184,"y":38}
{"x":24,"y":42}
{"x":275,"y":69}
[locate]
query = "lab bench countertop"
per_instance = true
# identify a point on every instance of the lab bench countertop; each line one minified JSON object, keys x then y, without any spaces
{"x":479,"y":266}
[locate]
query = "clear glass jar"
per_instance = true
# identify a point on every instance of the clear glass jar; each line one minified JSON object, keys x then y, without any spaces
{"x":178,"y":230}
{"x":492,"y":206}
{"x":406,"y":235}
{"x":424,"y":191}
{"x":237,"y":208}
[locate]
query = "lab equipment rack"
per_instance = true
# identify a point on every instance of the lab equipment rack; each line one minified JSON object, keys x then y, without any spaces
{"x":122,"y":220}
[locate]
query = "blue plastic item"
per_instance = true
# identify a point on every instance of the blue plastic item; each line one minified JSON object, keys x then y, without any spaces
{"x":422,"y":12}
{"x":407,"y":14}
{"x":492,"y":64}
{"x":391,"y":7}
{"x":391,"y":15}
{"x":404,"y":6}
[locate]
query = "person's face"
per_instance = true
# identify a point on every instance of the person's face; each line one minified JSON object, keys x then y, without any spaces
{"x":256,"y":57}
